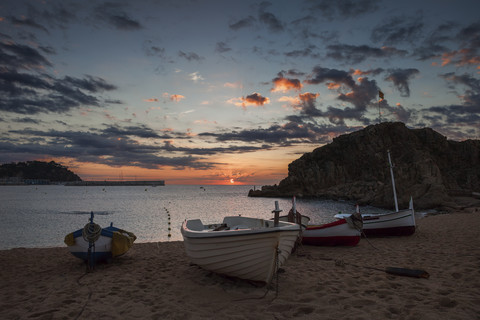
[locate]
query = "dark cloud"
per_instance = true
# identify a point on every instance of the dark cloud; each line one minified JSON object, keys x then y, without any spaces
{"x":470,"y":35}
{"x":295,"y":131}
{"x":400,"y":79}
{"x":360,"y":95}
{"x":310,"y":51}
{"x":115,"y":15}
{"x":467,"y":113}
{"x":214,"y":150}
{"x":27,"y":120}
{"x":344,"y":8}
{"x":191,"y":56}
{"x":243,"y":23}
{"x":222,"y":47}
{"x":353,"y":54}
{"x":321,"y":75}
{"x":255,"y":99}
{"x":435,"y":43}
{"x":17,"y":56}
{"x":141,"y":131}
{"x":38,"y":92}
{"x":271,"y":21}
{"x":399,"y":29}
{"x":28,"y":22}
{"x":97,"y":148}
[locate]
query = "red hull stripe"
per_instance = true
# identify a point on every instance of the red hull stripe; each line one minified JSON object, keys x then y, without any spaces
{"x":328,"y":225}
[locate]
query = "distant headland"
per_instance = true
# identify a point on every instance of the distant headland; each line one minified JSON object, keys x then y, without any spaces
{"x":35,"y":172}
{"x":44,"y":173}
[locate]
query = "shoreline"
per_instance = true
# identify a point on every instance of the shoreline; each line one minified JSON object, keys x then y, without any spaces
{"x":155,"y":280}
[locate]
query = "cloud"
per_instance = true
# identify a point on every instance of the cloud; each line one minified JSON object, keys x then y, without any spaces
{"x":151,"y":100}
{"x":271,"y":21}
{"x":306,"y":52}
{"x":468,"y":112}
{"x":373,"y":72}
{"x":112,"y":146}
{"x":243,"y":23}
{"x":401,"y":78}
{"x":173,"y":97}
{"x":353,"y":54}
{"x":281,"y":84}
{"x":345,"y":8}
{"x":114,"y":15}
{"x":255,"y":99}
{"x":221,"y":47}
{"x":292,"y":132}
{"x":195,"y":76}
{"x":234,"y":85}
{"x":21,"y":57}
{"x":28,"y":22}
{"x":360,"y":95}
{"x":191,"y":56}
{"x":398,"y":29}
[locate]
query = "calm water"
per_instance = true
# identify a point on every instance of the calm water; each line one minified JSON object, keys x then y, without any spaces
{"x":41,"y":216}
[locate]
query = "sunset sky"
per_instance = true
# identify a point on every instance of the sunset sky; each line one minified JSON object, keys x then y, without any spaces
{"x":226,"y":92}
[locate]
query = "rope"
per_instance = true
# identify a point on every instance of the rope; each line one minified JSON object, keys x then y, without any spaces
{"x":91,"y":232}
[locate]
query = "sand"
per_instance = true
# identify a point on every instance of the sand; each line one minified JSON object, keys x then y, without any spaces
{"x":156,"y":281}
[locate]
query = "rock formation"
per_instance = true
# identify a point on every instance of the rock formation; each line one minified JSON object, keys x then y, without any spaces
{"x":354,"y":166}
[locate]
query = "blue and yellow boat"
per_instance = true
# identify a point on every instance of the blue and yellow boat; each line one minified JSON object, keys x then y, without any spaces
{"x":94,"y":244}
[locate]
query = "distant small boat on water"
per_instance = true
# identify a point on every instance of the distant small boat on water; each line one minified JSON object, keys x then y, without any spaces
{"x":94,"y":244}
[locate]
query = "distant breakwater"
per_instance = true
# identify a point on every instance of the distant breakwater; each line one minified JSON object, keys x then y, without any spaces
{"x":115,"y":183}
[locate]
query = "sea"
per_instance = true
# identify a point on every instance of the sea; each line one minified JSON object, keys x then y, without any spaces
{"x":39,"y":216}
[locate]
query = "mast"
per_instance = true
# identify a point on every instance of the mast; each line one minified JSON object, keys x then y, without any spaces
{"x":393,"y":181}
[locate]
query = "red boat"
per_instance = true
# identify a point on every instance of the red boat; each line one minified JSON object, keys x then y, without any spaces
{"x":342,"y":232}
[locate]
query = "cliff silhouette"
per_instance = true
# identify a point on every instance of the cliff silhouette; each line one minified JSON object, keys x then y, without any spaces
{"x":354,"y":167}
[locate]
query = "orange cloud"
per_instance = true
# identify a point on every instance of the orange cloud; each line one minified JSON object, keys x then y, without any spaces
{"x":173,"y":97}
{"x":255,"y":99}
{"x":333,"y":85}
{"x":151,"y":100}
{"x":308,"y":96}
{"x":284,"y":84}
{"x":461,"y":57}
{"x":176,"y":97}
{"x":233,"y":85}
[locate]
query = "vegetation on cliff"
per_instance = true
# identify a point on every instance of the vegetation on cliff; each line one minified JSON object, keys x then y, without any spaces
{"x":37,"y":170}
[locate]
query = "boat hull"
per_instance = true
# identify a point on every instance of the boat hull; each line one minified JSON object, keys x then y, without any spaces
{"x":113,"y":242}
{"x":250,"y":252}
{"x":337,"y":233}
{"x":400,"y":223}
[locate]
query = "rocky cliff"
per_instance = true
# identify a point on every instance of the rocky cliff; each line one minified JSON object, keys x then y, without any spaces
{"x":354,"y":166}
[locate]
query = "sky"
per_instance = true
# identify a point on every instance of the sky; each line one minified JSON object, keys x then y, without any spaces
{"x":226,"y":92}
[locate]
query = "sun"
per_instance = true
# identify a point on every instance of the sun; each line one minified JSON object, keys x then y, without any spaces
{"x":232,"y":181}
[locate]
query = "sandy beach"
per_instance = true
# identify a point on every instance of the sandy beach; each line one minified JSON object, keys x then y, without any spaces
{"x":156,"y":281}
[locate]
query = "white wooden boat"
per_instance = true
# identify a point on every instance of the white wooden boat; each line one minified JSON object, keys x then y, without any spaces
{"x":241,"y":247}
{"x":94,"y":244}
{"x":343,"y":232}
{"x":397,"y":223}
